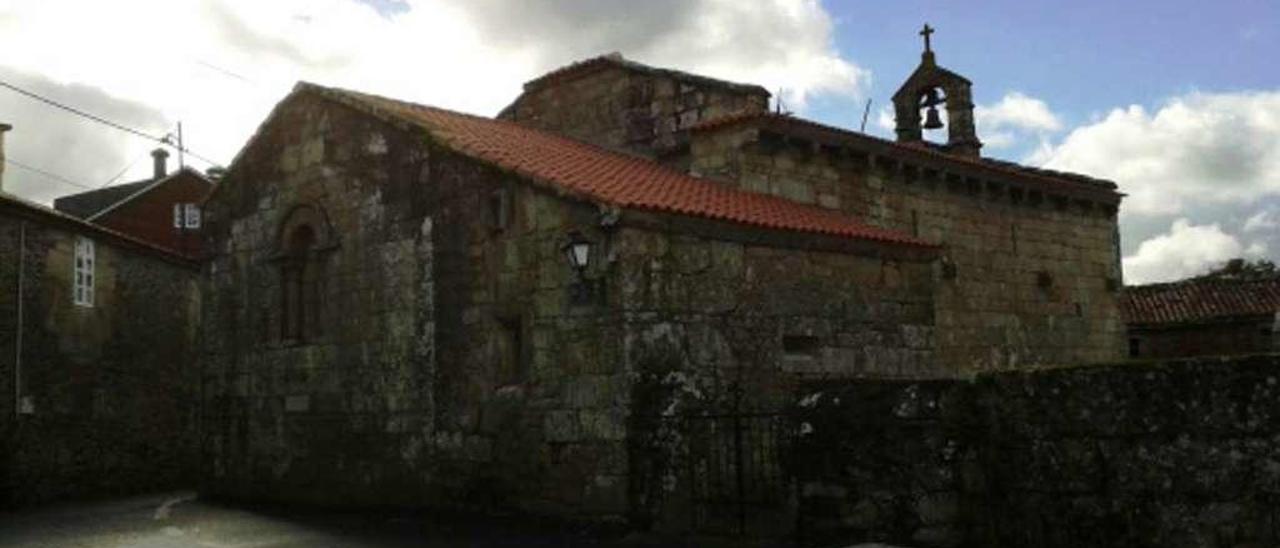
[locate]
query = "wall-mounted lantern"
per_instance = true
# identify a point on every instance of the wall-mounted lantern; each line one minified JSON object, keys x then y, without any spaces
{"x":578,"y":252}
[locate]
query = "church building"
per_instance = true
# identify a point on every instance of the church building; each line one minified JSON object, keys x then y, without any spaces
{"x":555,"y":310}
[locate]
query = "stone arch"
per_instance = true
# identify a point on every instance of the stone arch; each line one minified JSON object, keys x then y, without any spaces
{"x":305,"y":215}
{"x":302,"y":239}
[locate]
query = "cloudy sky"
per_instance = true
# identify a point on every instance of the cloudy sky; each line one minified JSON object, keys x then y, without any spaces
{"x":1178,"y":103}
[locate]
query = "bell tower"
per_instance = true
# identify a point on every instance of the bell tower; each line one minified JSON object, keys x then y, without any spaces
{"x":927,"y":88}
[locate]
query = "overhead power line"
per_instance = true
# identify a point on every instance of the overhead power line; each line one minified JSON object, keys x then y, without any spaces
{"x":165,"y":140}
{"x":53,"y":176}
{"x":125,"y":170}
{"x":79,"y":112}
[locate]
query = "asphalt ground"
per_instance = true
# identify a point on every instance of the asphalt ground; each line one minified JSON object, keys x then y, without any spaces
{"x":182,"y":520}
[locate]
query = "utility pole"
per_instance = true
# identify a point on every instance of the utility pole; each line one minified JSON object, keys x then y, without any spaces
{"x":181,"y":160}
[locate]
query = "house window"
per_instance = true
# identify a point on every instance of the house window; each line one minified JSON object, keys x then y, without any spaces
{"x":192,"y":215}
{"x":84,"y":274}
{"x":1135,"y":347}
{"x":186,"y":216}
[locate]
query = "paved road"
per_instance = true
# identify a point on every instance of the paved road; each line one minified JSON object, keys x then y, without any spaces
{"x":180,"y":520}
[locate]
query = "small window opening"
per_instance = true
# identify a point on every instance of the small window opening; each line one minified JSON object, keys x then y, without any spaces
{"x":801,"y":346}
{"x":1044,"y":279}
{"x":511,"y":369}
{"x":1135,"y":347}
{"x":500,"y":209}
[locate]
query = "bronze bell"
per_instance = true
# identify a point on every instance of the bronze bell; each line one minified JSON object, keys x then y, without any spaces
{"x":931,"y":118}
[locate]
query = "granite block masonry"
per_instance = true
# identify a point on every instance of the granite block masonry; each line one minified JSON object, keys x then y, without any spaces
{"x":1178,"y":453}
{"x":97,"y":388}
{"x":391,"y":314}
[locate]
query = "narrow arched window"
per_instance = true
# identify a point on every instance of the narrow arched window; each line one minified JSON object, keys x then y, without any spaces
{"x":304,"y":244}
{"x":298,"y":291}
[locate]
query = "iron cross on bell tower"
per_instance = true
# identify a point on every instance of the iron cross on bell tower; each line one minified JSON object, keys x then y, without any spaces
{"x":926,"y":32}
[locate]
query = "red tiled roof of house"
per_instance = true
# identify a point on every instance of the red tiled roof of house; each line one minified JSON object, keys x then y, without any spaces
{"x":1199,"y":300}
{"x":614,"y":178}
{"x":923,"y":149}
{"x":10,"y":203}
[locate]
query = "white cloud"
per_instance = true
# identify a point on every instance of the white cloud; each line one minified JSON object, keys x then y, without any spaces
{"x":1196,"y":149}
{"x":1017,"y":110}
{"x":1264,"y":220}
{"x":1186,"y":250}
{"x":1015,"y":118}
{"x":219,"y":65}
{"x":885,"y":120}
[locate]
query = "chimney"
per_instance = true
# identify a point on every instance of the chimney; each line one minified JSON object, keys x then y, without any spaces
{"x":160,"y":157}
{"x":4,"y":128}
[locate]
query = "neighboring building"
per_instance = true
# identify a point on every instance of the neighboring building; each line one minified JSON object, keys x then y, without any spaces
{"x":1202,"y":317}
{"x":566,"y":309}
{"x":164,"y":209}
{"x":97,"y":378}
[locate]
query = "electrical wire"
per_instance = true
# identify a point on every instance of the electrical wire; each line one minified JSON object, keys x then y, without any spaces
{"x":125,"y":170}
{"x":139,"y":133}
{"x":79,"y":112}
{"x":53,"y":176}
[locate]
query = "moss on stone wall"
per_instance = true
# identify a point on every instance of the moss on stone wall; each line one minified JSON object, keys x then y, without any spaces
{"x":112,"y":388}
{"x":1177,"y":453}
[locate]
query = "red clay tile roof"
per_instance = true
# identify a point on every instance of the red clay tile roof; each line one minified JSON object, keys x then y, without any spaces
{"x":1199,"y":300}
{"x":783,"y":121}
{"x":613,"y":178}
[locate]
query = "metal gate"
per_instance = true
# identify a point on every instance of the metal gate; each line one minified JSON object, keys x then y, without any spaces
{"x":735,"y":473}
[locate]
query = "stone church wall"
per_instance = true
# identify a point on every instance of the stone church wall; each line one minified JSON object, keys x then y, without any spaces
{"x":452,"y":362}
{"x":1178,"y":454}
{"x":560,"y":396}
{"x":110,"y":388}
{"x":343,"y":412}
{"x":644,"y":111}
{"x":1029,"y":278}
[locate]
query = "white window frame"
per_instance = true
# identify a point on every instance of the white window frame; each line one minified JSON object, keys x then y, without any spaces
{"x":192,"y":215}
{"x":177,"y":215}
{"x":84,"y":273}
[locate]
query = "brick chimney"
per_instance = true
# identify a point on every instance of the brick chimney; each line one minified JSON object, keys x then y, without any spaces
{"x":160,"y":159}
{"x":4,"y":128}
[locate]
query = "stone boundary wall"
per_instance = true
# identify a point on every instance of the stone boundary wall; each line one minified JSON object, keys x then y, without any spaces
{"x":1182,"y":453}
